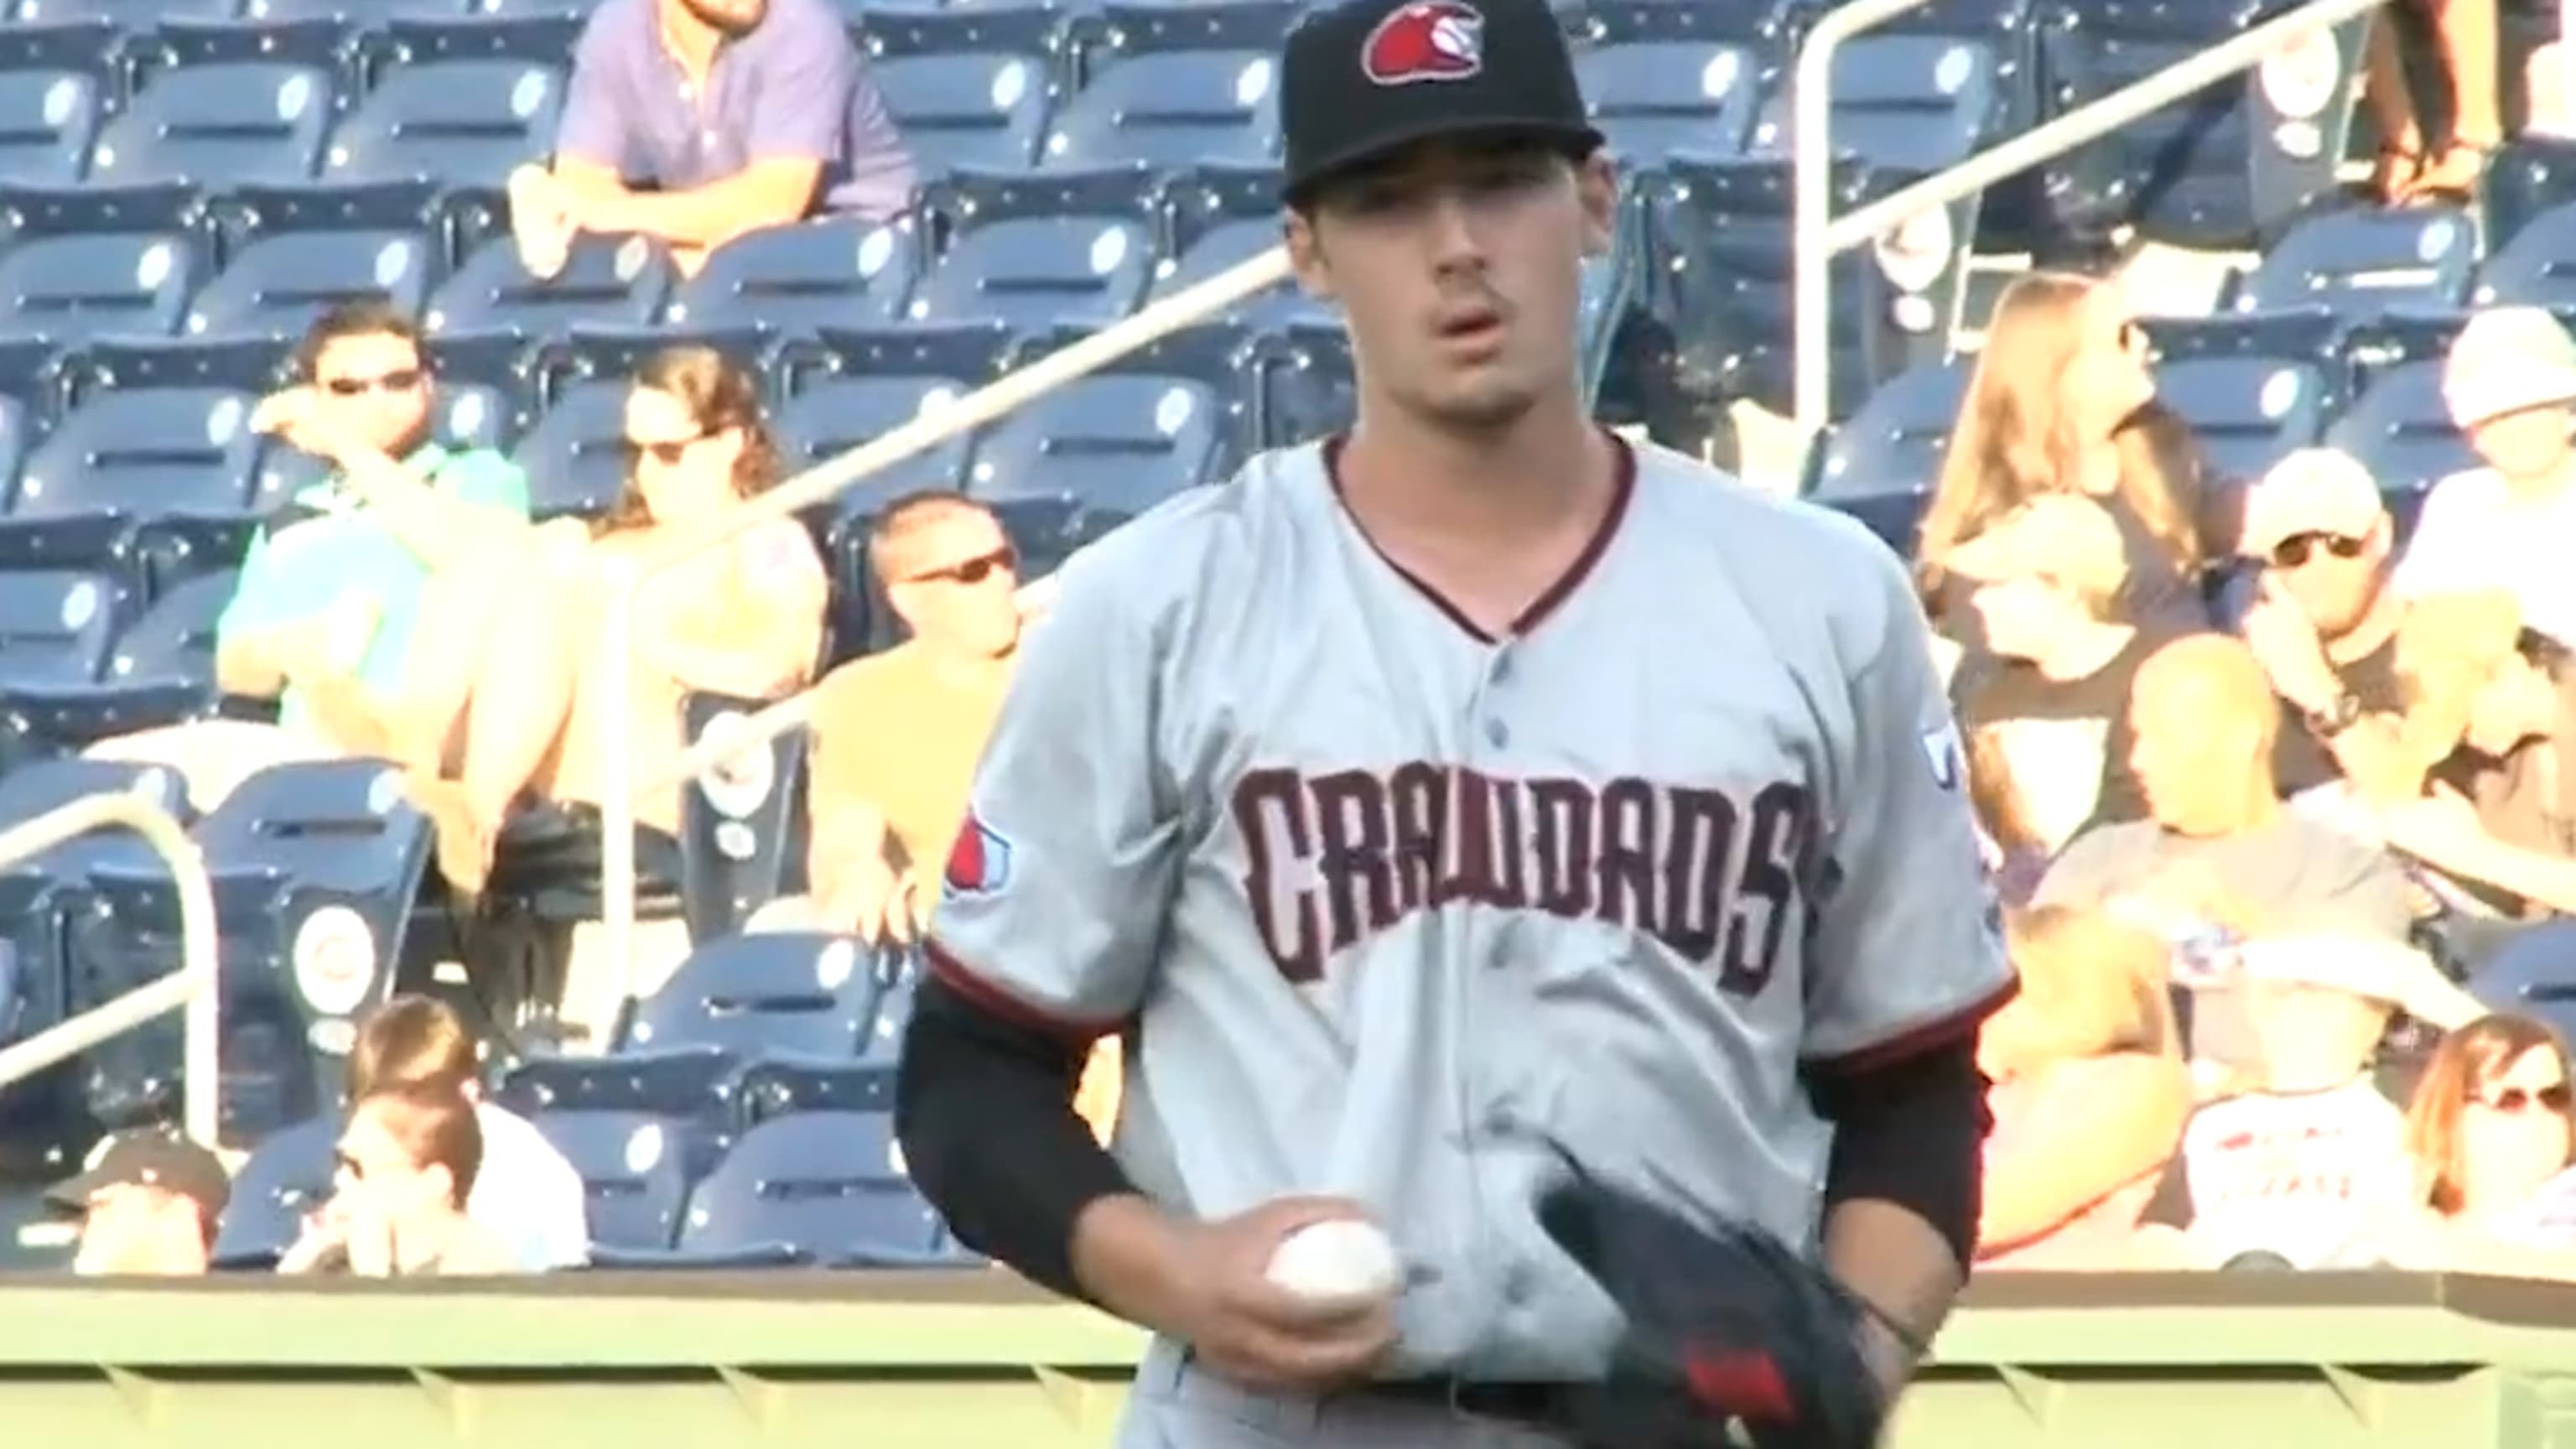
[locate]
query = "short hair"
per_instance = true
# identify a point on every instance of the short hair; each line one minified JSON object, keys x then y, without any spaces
{"x":412,"y":1041}
{"x":361,"y":317}
{"x":434,"y":1127}
{"x":907,"y":516}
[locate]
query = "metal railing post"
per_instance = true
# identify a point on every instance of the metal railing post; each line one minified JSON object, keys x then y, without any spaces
{"x":190,"y":989}
{"x":1820,"y":240}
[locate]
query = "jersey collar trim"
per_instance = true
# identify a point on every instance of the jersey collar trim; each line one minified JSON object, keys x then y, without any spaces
{"x":1623,"y":487}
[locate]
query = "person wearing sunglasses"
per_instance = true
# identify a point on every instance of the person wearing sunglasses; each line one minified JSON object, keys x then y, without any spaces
{"x":2323,"y":623}
{"x":2510,"y":386}
{"x":896,"y":734}
{"x":2491,"y":1126}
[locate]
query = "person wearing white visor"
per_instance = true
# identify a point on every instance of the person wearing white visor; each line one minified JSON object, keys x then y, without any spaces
{"x":2510,"y":386}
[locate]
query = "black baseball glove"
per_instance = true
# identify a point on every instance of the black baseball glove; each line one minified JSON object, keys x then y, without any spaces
{"x":1726,"y":1328}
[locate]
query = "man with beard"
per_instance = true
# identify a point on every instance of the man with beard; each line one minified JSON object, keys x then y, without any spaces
{"x":695,"y":121}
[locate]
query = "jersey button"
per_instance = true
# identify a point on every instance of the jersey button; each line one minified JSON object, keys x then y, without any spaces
{"x":1497,"y":733}
{"x":1502,"y":668}
{"x":1518,"y":1282}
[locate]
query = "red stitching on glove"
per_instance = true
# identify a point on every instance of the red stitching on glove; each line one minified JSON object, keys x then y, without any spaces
{"x":1746,"y":1385}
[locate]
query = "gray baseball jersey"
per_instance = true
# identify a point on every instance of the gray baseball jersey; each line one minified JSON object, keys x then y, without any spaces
{"x":1366,"y":884}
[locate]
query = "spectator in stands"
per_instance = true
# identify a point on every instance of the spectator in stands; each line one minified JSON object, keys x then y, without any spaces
{"x":896,"y":735}
{"x":2062,"y":402}
{"x":2324,"y":622}
{"x":2489,"y":701}
{"x":2491,"y":1126}
{"x":524,"y":1191}
{"x":695,"y":121}
{"x":2089,"y":1092}
{"x":407,"y":1164}
{"x":2308,"y":1160}
{"x":148,"y":1201}
{"x":2221,"y":855}
{"x":2054,"y":693}
{"x":2408,"y":170}
{"x":363,"y":603}
{"x":2511,"y":387}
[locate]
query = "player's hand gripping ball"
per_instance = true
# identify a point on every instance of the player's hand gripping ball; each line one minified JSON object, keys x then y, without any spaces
{"x":1339,"y":1260}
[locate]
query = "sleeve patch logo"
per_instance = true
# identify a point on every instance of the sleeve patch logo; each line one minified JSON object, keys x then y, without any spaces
{"x":1941,"y":749}
{"x":980,"y":862}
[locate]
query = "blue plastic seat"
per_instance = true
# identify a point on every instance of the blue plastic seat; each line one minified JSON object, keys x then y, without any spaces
{"x":2527,"y":176}
{"x":315,"y":867}
{"x":1912,"y":104}
{"x":54,"y":90}
{"x":969,"y":88}
{"x":55,"y":627}
{"x":1222,"y":216}
{"x":855,"y":386}
{"x":1881,"y":463}
{"x":1308,"y":389}
{"x":2364,"y":261}
{"x":174,"y":640}
{"x":295,"y":254}
{"x":2401,"y":430}
{"x":828,"y":1185}
{"x":154,"y":442}
{"x":1038,"y":252}
{"x":2247,"y":412}
{"x":1177,"y":85}
{"x":620,"y":281}
{"x":1651,"y":98}
{"x":1112,"y":444}
{"x":634,"y":1175}
{"x":463,"y":122}
{"x":288,"y":1176}
{"x":743,"y":828}
{"x":220,"y":124}
{"x":778,"y":1085}
{"x":2533,"y":975}
{"x":692,"y":1086}
{"x":123,"y":14}
{"x":97,"y":262}
{"x":834,"y":272}
{"x":2537,"y":268}
{"x":575,"y":453}
{"x":808,"y":994}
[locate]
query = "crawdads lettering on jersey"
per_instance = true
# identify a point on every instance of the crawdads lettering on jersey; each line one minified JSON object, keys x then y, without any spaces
{"x":1331,"y":859}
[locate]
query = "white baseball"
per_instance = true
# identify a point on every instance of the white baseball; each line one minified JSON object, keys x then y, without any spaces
{"x":1344,"y":1258}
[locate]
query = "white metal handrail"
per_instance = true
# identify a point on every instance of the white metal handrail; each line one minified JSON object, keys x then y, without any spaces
{"x":825,"y":480}
{"x":1817,"y":237}
{"x":190,"y":989}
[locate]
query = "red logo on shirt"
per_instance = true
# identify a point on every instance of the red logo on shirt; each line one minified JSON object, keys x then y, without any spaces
{"x":980,"y":862}
{"x":1437,"y":40}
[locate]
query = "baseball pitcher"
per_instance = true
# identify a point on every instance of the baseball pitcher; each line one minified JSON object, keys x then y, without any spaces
{"x":1544,"y":849}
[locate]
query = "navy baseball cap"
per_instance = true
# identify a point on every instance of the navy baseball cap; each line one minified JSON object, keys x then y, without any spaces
{"x":1365,"y":77}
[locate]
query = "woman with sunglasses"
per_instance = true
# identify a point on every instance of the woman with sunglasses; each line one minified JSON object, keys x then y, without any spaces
{"x":2062,"y":401}
{"x":2491,"y":1124}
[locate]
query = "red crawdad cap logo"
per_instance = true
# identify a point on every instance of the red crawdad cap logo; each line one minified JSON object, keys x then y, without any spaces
{"x":1436,"y":40}
{"x":979,"y":863}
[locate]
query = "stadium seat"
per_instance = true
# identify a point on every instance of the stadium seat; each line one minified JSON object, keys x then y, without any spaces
{"x":34,"y":894}
{"x":1663,"y":79}
{"x":693,"y":1086}
{"x":2533,"y":974}
{"x":2247,"y":412}
{"x":1037,"y":252}
{"x":969,"y":88}
{"x":2364,"y":261}
{"x":826,"y":1185}
{"x":775,"y":1086}
{"x":1103,"y":448}
{"x":158,"y":435}
{"x":174,"y":640}
{"x":315,"y":867}
{"x":54,"y":88}
{"x":742,"y":829}
{"x":850,"y":386}
{"x":898,"y":979}
{"x":1221,"y":217}
{"x":1881,"y":463}
{"x":288,"y":1176}
{"x":833,"y":272}
{"x":612,"y":280}
{"x":98,"y":261}
{"x":1176,"y":85}
{"x":462,"y":104}
{"x":358,"y":11}
{"x":2537,"y":268}
{"x":55,"y":627}
{"x":1911,"y":104}
{"x":805,"y":993}
{"x":634,"y":1174}
{"x":1307,"y":390}
{"x":2400,"y":429}
{"x":294,"y":254}
{"x":2527,"y":175}
{"x":123,"y":14}
{"x":220,"y":124}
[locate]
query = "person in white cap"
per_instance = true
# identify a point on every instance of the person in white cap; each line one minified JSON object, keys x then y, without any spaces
{"x":2510,"y":386}
{"x":2324,"y":621}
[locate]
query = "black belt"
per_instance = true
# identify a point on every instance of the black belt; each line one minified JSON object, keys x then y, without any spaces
{"x":1520,"y":1401}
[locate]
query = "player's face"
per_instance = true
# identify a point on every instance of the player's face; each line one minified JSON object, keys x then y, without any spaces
{"x":377,"y":387}
{"x":1458,"y":269}
{"x":959,"y":583}
{"x":2527,"y":444}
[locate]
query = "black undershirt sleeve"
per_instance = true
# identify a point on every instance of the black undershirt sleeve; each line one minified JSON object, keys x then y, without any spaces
{"x":1912,"y":1133}
{"x":984,"y":1111}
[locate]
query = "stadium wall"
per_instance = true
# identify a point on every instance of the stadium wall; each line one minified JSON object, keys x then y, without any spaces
{"x":912,"y":1361}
